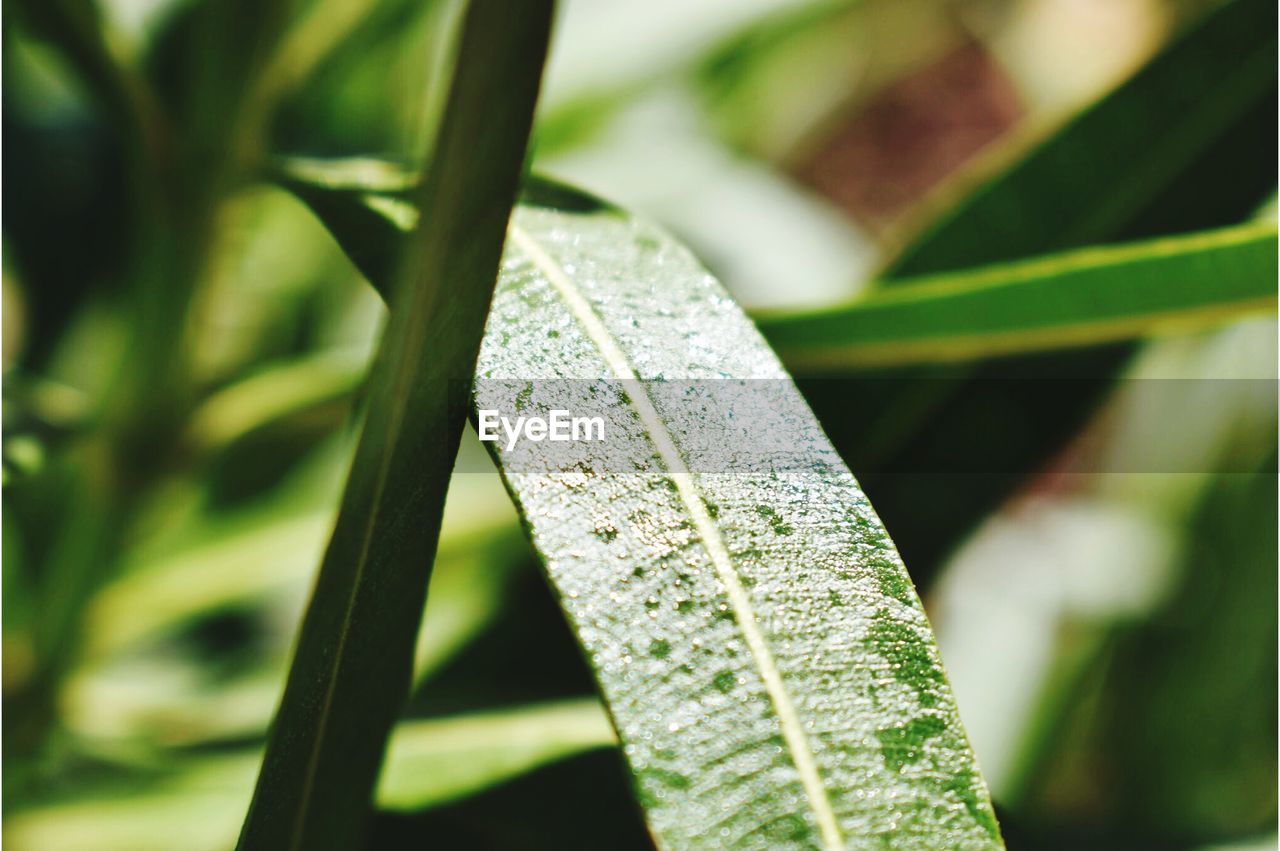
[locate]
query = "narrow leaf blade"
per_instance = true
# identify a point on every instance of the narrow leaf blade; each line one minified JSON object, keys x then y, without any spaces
{"x":352,"y":665}
{"x":1081,"y":298}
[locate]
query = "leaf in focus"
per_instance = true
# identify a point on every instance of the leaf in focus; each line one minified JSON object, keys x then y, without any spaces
{"x":757,"y":640}
{"x":354,"y":656}
{"x":1085,"y":297}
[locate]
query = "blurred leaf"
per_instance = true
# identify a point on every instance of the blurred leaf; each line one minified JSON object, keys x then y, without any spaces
{"x":205,"y":64}
{"x":433,"y":761}
{"x":225,"y":558}
{"x":366,"y":93}
{"x":199,"y":803}
{"x":175,"y":174}
{"x":708,"y":675}
{"x":1086,"y":297}
{"x":272,"y":394}
{"x":1186,"y":143}
{"x":305,"y":44}
{"x":271,"y":549}
{"x":68,"y":173}
{"x":1176,"y":725}
{"x":608,"y":51}
{"x":78,"y":31}
{"x":144,"y":677}
{"x":202,"y":797}
{"x":520,"y":813}
{"x":352,"y":665}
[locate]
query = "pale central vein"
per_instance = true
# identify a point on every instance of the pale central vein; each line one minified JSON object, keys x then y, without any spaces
{"x":792,"y":729}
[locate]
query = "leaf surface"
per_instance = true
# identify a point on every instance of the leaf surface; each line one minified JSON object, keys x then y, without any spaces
{"x":766,"y":661}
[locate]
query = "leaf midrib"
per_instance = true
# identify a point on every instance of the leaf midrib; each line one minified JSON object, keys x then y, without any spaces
{"x":744,"y":613}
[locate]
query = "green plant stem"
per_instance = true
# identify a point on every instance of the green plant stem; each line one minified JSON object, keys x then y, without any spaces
{"x":353,"y":660}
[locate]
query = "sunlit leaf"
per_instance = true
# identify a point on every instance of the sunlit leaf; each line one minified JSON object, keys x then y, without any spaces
{"x":433,"y":761}
{"x":755,"y":635}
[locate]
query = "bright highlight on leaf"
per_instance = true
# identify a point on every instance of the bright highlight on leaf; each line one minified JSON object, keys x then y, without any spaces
{"x":759,"y":644}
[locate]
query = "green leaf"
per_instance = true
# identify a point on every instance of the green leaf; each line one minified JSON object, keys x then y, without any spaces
{"x":274,"y":393}
{"x":757,"y":640}
{"x":352,"y":664}
{"x":1186,"y":143}
{"x":200,"y":799}
{"x":1085,"y":297}
{"x":77,"y":29}
{"x":429,"y":762}
{"x":259,"y":561}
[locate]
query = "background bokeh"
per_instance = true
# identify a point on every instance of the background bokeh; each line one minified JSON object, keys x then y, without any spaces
{"x":184,"y":345}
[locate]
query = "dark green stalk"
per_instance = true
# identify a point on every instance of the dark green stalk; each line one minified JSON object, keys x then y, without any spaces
{"x":351,"y":668}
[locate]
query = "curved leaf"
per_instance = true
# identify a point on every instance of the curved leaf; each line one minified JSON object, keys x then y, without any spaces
{"x":1090,"y":296}
{"x":766,"y":661}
